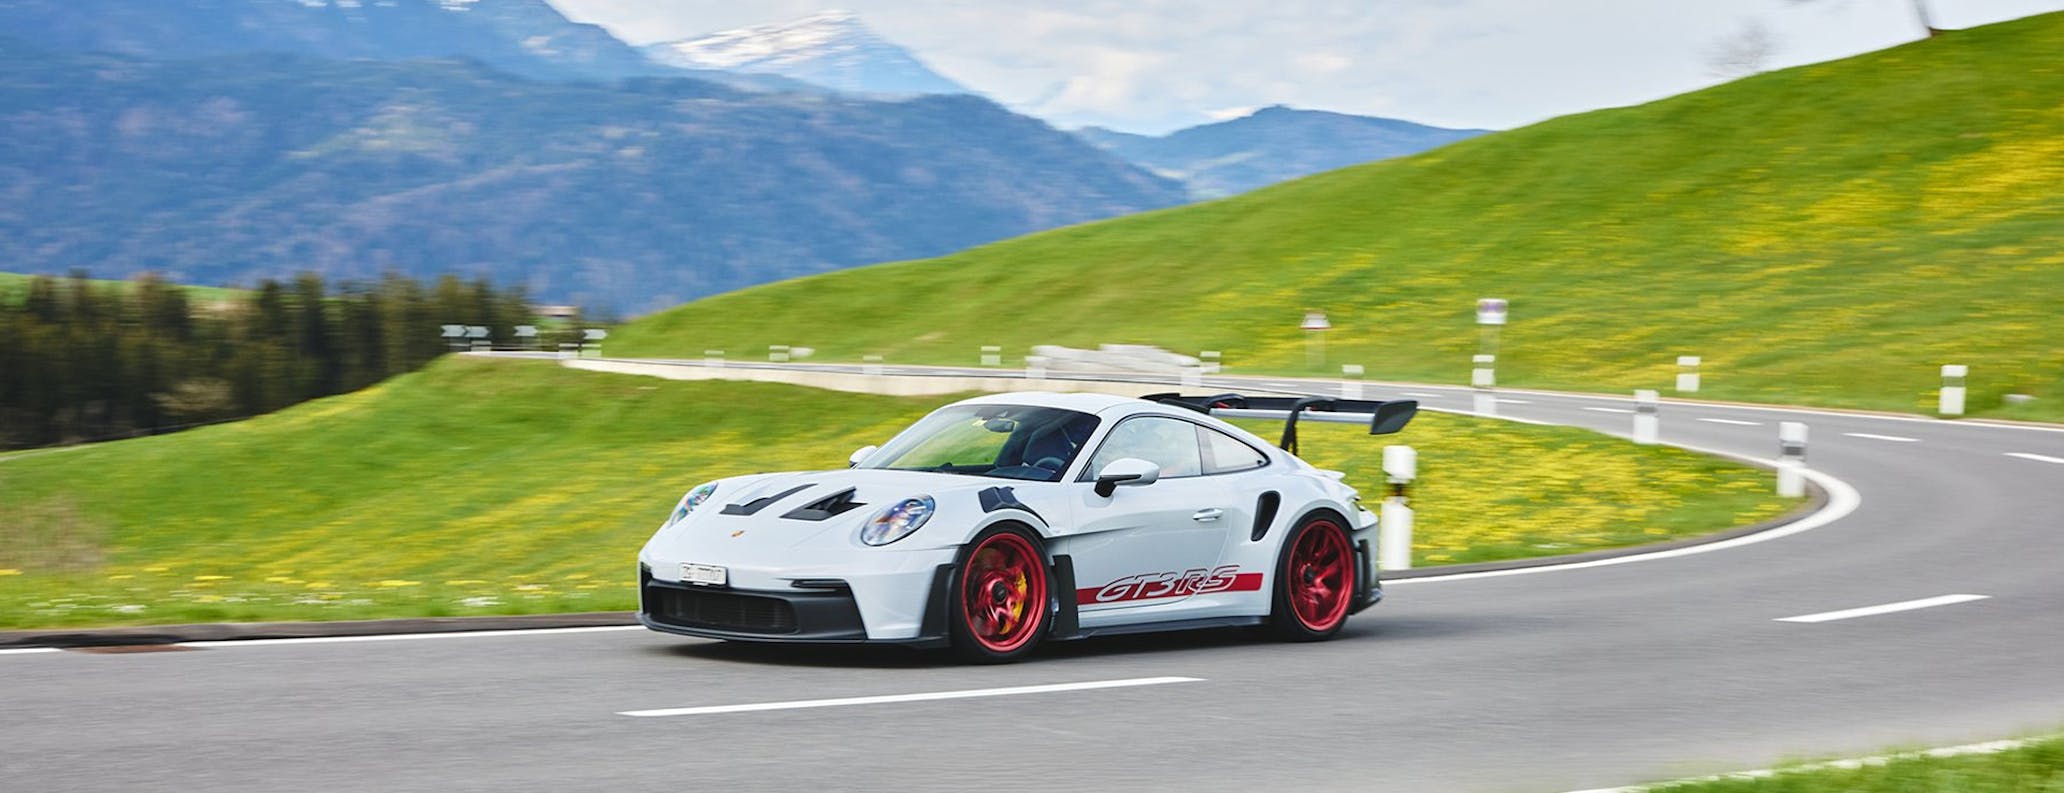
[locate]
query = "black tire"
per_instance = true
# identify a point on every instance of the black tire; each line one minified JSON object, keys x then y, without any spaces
{"x":1316,"y":580}
{"x":1002,"y":596}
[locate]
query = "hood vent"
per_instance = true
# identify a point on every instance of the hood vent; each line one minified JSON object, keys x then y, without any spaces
{"x":826,"y":507}
{"x":758,"y":504}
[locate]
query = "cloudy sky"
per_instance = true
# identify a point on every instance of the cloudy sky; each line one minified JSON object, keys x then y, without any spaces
{"x":1156,"y":65}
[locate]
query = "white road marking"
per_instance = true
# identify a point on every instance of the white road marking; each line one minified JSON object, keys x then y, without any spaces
{"x":28,"y":650}
{"x":1989,"y":747}
{"x":391,"y":637}
{"x":1877,"y":437}
{"x":1842,"y":500}
{"x":925,"y":697}
{"x":1608,"y":410}
{"x":1888,"y":608}
{"x":2041,"y":458}
{"x":1735,"y":422}
{"x":1422,"y":394}
{"x":1504,"y":401}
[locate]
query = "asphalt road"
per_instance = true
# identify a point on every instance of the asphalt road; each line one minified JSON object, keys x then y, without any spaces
{"x":1542,"y":682}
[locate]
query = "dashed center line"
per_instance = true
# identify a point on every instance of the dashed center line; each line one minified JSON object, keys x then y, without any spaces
{"x":1609,"y":410}
{"x":1504,"y":401}
{"x":925,"y":697}
{"x":2041,"y":458}
{"x":1421,"y":394}
{"x":1888,"y":608}
{"x":1735,"y":422}
{"x":1877,"y":437}
{"x":28,"y":650}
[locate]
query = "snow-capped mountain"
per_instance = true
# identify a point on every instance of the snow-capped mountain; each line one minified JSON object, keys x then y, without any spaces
{"x":831,"y":49}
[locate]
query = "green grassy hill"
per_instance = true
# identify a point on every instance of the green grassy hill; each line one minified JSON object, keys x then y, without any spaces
{"x":481,"y":487}
{"x":1829,"y":234}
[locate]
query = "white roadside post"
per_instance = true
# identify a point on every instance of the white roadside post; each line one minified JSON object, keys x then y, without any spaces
{"x":591,"y":342}
{"x":1687,"y":374}
{"x":1208,"y":361}
{"x":454,"y":336}
{"x":870,"y":365}
{"x":1484,"y":377}
{"x":992,"y":355}
{"x":1351,"y":381}
{"x":477,"y":335}
{"x":713,"y":359}
{"x":1648,"y":425}
{"x":1791,"y":459}
{"x":777,"y":353}
{"x":1315,"y":327}
{"x":1394,"y":518}
{"x":1192,"y":376}
{"x":1035,"y":367}
{"x":1952,"y":401}
{"x":526,"y":335}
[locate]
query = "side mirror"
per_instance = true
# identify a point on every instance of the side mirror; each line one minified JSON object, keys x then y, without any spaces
{"x":860,"y":454}
{"x":1127,"y":471}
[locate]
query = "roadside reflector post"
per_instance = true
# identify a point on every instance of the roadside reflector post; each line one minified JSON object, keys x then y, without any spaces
{"x":526,"y":335}
{"x":870,"y":365}
{"x":777,"y":353}
{"x":992,"y":355}
{"x":477,"y":338}
{"x":1192,"y":376}
{"x":1791,"y":459}
{"x":1035,"y":367}
{"x":1687,"y":374}
{"x":1208,"y":361}
{"x":713,"y":359}
{"x":1648,"y":424}
{"x":1394,"y":517}
{"x":1952,"y":400}
{"x":1484,"y":377}
{"x":1315,"y":326}
{"x":454,"y":337}
{"x":1351,"y":381}
{"x":591,"y":342}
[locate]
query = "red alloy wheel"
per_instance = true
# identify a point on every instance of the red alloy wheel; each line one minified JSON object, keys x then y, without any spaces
{"x":1003,"y":593}
{"x":1321,"y":574}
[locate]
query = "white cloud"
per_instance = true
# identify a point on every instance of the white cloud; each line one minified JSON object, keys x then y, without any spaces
{"x":1153,"y":65}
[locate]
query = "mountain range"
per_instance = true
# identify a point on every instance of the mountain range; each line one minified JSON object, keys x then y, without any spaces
{"x":1271,"y":145}
{"x":629,"y":195}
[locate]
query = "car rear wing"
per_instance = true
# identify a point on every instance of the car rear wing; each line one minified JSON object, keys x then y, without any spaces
{"x":1383,"y":417}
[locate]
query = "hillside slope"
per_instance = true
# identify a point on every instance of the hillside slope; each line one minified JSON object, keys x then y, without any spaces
{"x":1827,"y":234}
{"x":631,"y":196}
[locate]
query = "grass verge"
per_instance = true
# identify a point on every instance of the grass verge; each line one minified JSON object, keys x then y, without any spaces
{"x":505,"y":487}
{"x":2034,"y":768}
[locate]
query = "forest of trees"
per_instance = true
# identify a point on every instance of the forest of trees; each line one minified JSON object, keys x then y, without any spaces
{"x":84,"y":360}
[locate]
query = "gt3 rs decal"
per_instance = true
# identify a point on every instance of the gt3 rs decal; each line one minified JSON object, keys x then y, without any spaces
{"x":1146,"y":586}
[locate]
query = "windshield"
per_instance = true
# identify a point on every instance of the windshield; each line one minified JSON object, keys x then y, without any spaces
{"x":1003,"y":441}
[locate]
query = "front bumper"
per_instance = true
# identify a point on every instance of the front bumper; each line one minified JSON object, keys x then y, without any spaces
{"x":825,"y":614}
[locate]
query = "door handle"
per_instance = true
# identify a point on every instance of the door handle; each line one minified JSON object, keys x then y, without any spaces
{"x":1206,"y":515}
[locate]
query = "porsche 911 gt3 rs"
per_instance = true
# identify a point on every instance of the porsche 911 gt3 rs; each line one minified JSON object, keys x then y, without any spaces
{"x":998,"y":522}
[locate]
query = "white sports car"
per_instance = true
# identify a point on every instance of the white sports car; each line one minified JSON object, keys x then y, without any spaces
{"x":999,"y":521}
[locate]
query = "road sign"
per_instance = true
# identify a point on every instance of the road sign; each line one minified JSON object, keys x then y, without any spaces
{"x":594,"y":334}
{"x":476,"y":332}
{"x":1316,"y":320}
{"x":1490,"y":311}
{"x":454,"y":331}
{"x":525,"y":331}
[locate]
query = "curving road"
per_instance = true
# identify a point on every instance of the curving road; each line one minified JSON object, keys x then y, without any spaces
{"x":1553,"y":680}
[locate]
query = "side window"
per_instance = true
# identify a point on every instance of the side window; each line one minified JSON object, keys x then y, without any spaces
{"x":1169,"y":443}
{"x":1224,"y":454}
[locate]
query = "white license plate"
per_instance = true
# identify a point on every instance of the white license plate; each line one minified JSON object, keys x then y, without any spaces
{"x":705,"y":574}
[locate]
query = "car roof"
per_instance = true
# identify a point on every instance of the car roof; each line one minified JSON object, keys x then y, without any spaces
{"x":1082,"y":402}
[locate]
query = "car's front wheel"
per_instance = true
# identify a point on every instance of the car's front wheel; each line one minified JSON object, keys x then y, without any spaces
{"x":1002,"y":596}
{"x":1315,"y":581}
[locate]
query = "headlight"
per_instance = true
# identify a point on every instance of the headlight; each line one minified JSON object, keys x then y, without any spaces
{"x":897,"y":521}
{"x":690,"y":502}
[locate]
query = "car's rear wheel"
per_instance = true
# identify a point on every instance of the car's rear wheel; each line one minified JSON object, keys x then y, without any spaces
{"x":1002,"y":596}
{"x":1315,"y":581}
